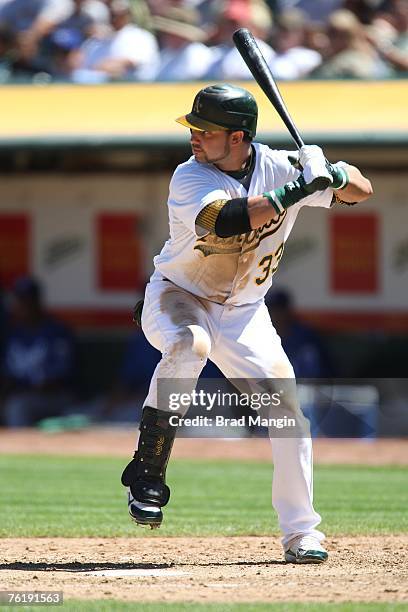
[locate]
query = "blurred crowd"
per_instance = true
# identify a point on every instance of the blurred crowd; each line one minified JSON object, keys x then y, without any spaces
{"x":93,"y":41}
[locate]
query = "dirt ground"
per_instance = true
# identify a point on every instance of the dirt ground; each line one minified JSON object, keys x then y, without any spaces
{"x":120,"y":443}
{"x":233,"y":569}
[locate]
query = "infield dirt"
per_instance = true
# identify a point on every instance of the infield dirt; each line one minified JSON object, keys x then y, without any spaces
{"x":235,"y":569}
{"x":121,"y":442}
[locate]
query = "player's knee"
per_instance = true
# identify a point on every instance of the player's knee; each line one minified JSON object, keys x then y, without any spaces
{"x":191,"y":343}
{"x":201,"y":343}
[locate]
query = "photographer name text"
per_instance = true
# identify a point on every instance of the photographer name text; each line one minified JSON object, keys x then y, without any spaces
{"x":221,"y":421}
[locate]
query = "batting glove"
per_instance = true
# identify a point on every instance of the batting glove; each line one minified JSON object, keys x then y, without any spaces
{"x":315,"y":172}
{"x":338,"y":170}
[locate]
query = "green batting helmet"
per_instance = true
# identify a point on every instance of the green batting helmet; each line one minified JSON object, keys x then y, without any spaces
{"x":222,"y":107}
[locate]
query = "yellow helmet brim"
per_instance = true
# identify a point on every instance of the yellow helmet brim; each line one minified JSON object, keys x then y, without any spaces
{"x":197,"y":123}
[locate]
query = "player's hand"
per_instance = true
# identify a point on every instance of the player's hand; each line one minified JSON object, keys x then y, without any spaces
{"x":337,"y":171}
{"x":315,"y":172}
{"x":299,"y":158}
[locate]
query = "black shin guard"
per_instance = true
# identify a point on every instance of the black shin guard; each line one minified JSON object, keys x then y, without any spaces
{"x":146,"y":473}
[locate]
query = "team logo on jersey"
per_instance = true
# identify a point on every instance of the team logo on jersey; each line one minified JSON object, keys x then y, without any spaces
{"x":244,"y":243}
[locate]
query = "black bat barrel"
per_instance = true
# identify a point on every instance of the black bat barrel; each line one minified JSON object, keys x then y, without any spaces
{"x":252,"y":56}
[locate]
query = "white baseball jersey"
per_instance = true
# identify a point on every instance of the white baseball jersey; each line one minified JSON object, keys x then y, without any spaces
{"x":236,"y":270}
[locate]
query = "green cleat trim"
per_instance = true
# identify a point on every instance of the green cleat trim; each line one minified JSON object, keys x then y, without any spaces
{"x":306,"y":556}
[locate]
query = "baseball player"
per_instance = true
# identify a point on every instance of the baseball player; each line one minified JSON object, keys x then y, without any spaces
{"x":232,"y":206}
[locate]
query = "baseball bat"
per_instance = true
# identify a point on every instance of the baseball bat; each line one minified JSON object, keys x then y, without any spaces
{"x":252,"y":56}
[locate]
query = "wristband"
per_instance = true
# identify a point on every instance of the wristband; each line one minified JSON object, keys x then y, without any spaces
{"x":273,"y":201}
{"x":286,"y":196}
{"x":339,"y":175}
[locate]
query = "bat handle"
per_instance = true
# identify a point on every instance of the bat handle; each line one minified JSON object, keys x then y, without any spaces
{"x":298,"y":140}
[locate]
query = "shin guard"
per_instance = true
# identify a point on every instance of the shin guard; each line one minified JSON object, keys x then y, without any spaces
{"x":146,"y":473}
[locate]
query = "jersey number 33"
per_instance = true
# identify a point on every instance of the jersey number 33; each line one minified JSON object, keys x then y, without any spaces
{"x":269,"y":264}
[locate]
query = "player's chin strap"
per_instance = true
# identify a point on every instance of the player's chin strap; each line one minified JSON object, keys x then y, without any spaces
{"x":146,"y":473}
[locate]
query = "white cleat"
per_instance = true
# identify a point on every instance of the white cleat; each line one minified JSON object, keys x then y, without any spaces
{"x":144,"y":514}
{"x":305,"y":549}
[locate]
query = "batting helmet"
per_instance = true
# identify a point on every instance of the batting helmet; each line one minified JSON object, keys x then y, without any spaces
{"x":222,"y":107}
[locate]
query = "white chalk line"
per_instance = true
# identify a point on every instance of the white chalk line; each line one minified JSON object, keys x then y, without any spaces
{"x":137,"y":573}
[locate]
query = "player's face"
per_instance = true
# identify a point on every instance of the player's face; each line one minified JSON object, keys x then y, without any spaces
{"x":210,"y":147}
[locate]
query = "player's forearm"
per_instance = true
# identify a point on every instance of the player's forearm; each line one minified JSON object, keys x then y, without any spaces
{"x":260,"y":211}
{"x":358,"y":187}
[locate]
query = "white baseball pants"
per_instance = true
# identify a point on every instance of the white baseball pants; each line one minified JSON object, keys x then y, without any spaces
{"x":243,"y":343}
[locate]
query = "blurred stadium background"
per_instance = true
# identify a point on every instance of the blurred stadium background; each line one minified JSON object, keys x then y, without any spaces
{"x":88,"y":142}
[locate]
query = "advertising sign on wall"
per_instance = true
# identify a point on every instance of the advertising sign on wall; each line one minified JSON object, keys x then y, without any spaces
{"x":354,"y":245}
{"x":119,"y":258}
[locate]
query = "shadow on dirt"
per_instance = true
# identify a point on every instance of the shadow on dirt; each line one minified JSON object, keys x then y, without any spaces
{"x":77,"y":566}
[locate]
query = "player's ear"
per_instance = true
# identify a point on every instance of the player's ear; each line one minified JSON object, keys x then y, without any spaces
{"x":237,"y":137}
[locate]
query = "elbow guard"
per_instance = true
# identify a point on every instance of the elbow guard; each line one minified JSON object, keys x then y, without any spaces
{"x":226,"y":218}
{"x":233,"y":218}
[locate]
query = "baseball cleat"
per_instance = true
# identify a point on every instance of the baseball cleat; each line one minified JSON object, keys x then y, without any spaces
{"x":306,"y":549}
{"x":144,"y":514}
